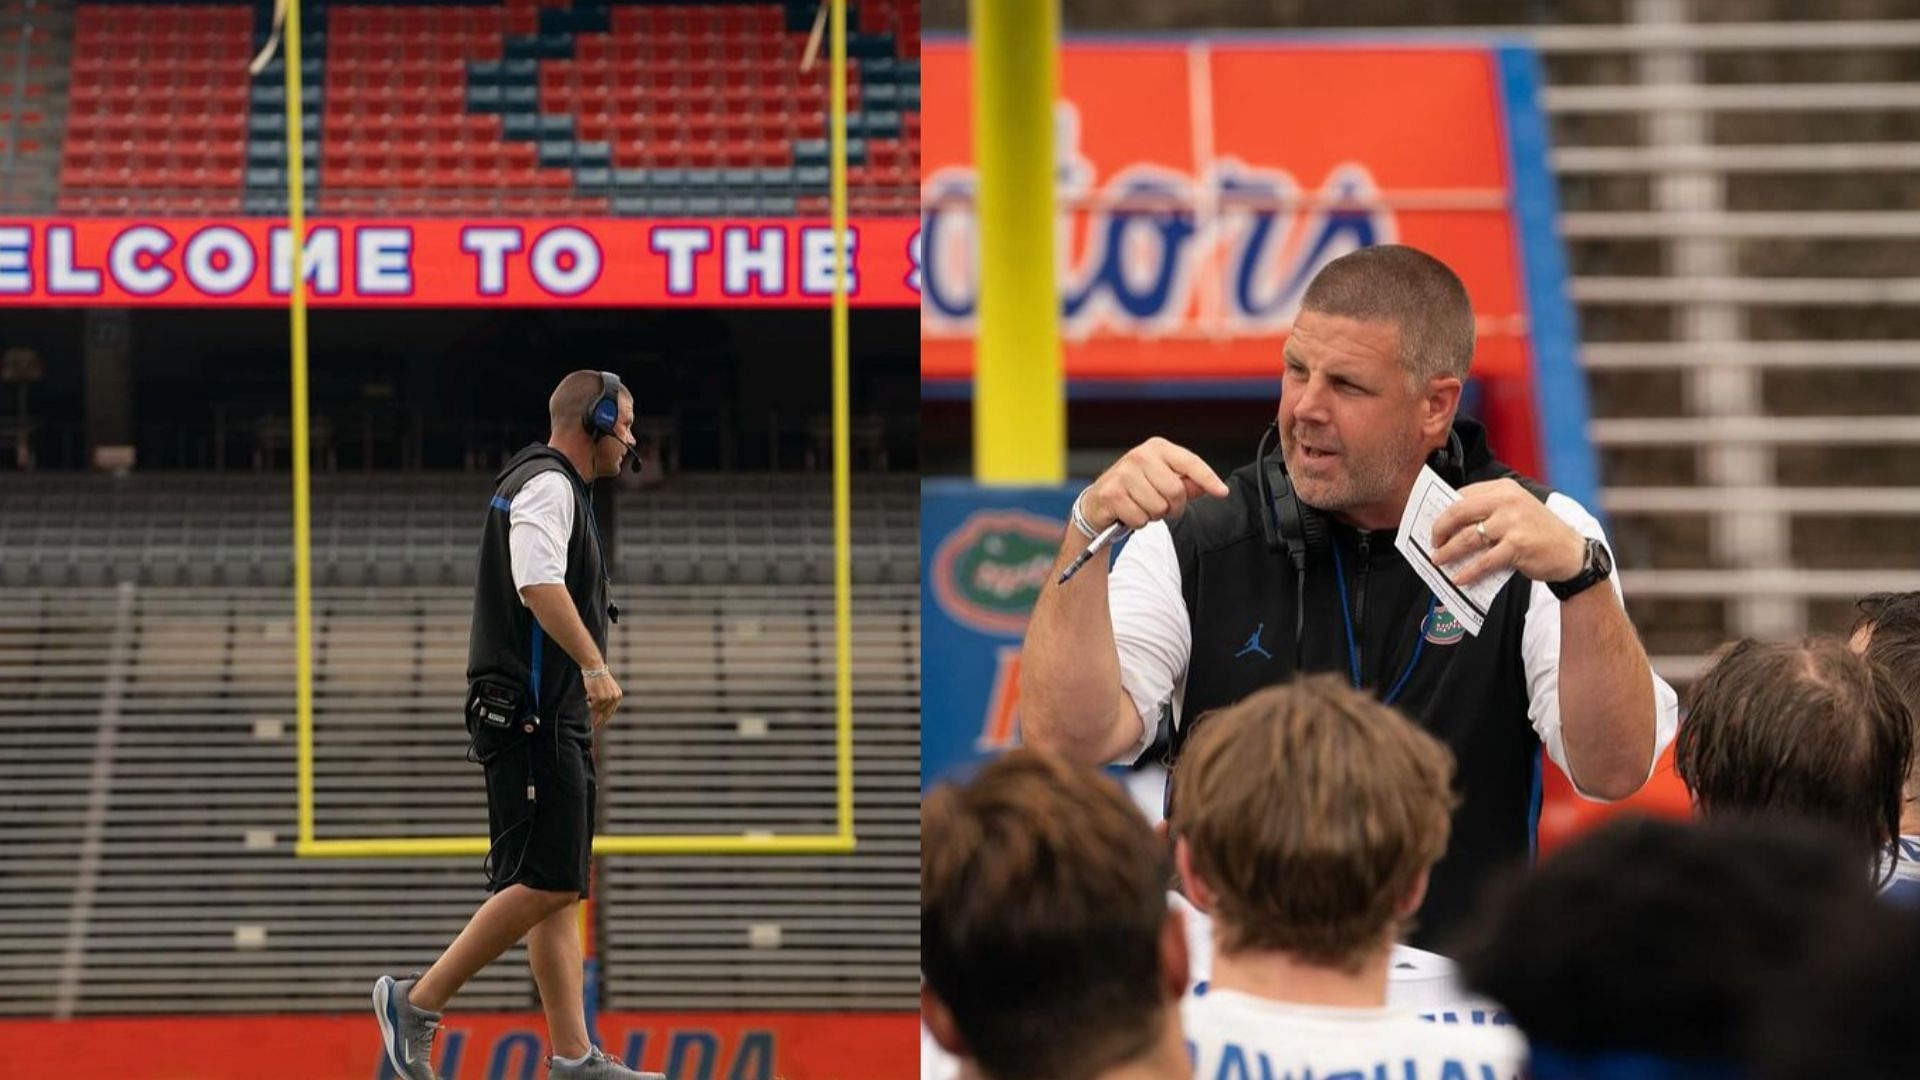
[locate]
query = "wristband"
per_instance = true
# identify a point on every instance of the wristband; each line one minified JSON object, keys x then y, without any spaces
{"x":596,"y":673}
{"x":1079,"y":519}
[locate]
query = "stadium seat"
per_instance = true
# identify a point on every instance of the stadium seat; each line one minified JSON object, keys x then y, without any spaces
{"x":559,"y":103}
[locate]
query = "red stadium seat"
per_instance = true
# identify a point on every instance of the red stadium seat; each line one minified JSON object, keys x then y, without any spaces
{"x":159,"y":100}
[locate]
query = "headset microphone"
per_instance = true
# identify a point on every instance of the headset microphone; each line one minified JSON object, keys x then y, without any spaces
{"x":603,"y":416}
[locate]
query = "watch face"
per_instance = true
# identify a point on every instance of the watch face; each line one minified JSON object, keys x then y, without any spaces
{"x":1599,"y":559}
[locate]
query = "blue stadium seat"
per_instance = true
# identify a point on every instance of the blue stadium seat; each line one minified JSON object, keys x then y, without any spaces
{"x":811,"y":152}
{"x":274,"y":152}
{"x":274,"y":122}
{"x":590,"y":19}
{"x":275,"y":72}
{"x":274,"y":176}
{"x":275,"y":97}
{"x":865,"y":46}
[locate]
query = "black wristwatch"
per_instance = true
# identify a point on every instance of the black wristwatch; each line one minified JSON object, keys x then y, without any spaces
{"x":1598,"y":567}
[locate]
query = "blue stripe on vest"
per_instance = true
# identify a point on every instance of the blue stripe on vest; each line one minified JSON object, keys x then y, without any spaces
{"x":1533,"y":810}
{"x":502,"y":504}
{"x":536,"y":662}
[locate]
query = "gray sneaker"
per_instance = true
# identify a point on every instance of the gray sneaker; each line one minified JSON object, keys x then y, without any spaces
{"x":406,"y":1032}
{"x":598,"y":1066}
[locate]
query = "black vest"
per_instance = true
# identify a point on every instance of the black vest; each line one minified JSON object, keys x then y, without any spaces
{"x":507,"y":642}
{"x":1470,"y":692}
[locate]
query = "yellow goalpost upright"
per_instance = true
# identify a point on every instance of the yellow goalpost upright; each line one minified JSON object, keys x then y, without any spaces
{"x":840,"y":840}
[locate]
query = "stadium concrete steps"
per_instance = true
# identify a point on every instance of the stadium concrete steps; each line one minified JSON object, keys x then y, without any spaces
{"x":32,"y":182}
{"x":147,"y":768}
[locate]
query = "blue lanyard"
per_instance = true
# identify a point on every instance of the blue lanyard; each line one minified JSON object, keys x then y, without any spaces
{"x":1353,"y":650}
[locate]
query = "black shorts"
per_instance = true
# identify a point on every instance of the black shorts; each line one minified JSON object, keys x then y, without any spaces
{"x":545,"y":842}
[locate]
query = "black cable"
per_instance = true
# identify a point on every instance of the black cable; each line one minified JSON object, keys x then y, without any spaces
{"x":496,"y":883}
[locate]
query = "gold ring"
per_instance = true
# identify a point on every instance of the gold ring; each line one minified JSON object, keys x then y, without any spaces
{"x":1481,"y":528}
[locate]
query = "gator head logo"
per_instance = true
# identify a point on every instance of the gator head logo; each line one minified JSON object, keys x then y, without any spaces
{"x":988,"y":572}
{"x":1441,"y":627}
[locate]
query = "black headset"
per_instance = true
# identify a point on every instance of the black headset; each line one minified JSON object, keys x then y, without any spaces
{"x":603,"y":416}
{"x":1300,"y":530}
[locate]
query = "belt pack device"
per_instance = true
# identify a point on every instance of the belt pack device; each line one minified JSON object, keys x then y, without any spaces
{"x":501,"y":705}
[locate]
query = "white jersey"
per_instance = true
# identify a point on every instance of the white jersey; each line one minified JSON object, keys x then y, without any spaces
{"x":1235,"y":1036}
{"x":1420,"y":982}
{"x":1903,"y":888}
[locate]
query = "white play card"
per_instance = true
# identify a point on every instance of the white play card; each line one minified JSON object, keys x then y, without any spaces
{"x":1431,"y":496}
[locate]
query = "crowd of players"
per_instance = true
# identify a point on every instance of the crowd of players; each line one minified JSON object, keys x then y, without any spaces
{"x":1255,"y":934}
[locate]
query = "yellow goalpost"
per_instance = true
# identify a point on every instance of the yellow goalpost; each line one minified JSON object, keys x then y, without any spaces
{"x":840,"y":840}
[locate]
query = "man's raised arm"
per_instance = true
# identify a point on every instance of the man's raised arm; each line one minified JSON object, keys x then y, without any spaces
{"x":1072,"y":701}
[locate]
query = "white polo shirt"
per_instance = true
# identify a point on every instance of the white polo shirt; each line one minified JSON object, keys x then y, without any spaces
{"x":1154,"y":639}
{"x":540,"y":525}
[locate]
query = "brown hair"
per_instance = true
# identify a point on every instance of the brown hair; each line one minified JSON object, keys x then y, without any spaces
{"x":1806,"y":729}
{"x":1892,"y":622}
{"x":1409,"y":288}
{"x":1311,"y":810}
{"x":1042,"y":902}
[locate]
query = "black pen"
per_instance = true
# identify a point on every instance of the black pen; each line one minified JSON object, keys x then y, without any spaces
{"x":1080,"y":560}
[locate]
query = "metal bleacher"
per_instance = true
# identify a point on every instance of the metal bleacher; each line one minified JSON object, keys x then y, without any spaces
{"x":1738,"y":185}
{"x":147,"y":786}
{"x":192,"y":530}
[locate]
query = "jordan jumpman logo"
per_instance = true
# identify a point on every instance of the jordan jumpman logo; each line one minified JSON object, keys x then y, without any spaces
{"x":1253,"y":644}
